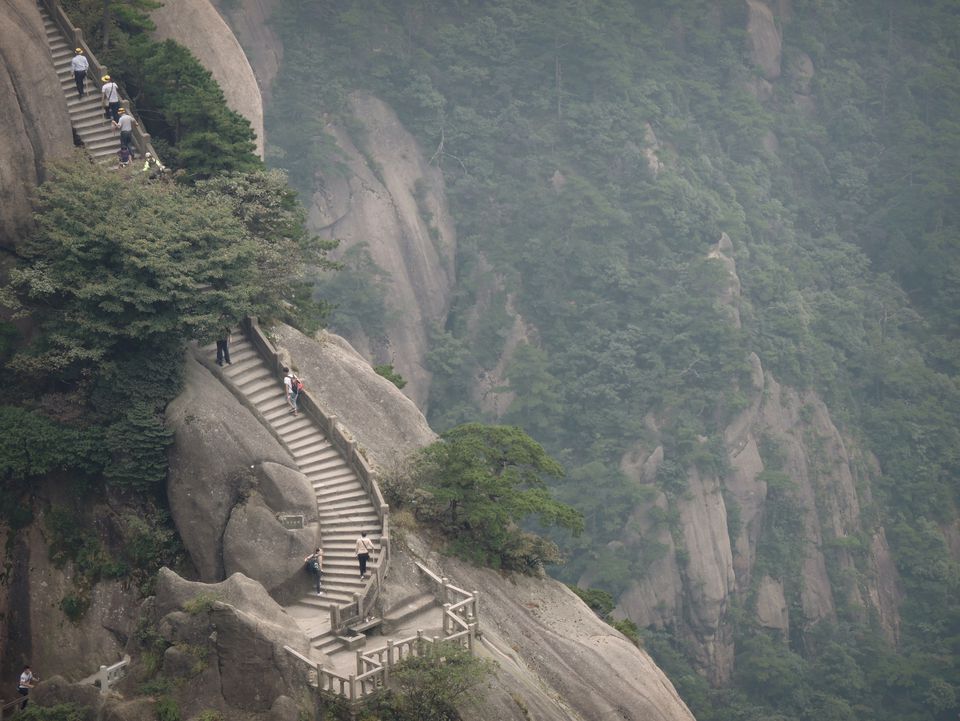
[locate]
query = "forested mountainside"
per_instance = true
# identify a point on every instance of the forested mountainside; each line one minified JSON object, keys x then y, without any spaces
{"x":690,"y":230}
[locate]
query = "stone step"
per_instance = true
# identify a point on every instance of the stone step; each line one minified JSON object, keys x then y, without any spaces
{"x":351,"y":506}
{"x":352,"y":523}
{"x":318,"y":466}
{"x":327,"y":479}
{"x":250,"y":375}
{"x":307,"y":456}
{"x":293,"y":425}
{"x":308,"y":432}
{"x":344,"y":490}
{"x":407,"y":608}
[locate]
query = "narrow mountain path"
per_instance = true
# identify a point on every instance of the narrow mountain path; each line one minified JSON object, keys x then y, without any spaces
{"x":86,"y":114}
{"x":344,"y":507}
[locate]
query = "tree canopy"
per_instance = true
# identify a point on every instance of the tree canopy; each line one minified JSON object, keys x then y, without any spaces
{"x":482,"y":482}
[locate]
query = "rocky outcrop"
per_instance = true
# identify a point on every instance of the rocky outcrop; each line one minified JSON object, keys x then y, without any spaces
{"x":707,"y":561}
{"x":763,"y":39}
{"x":225,"y":644}
{"x":228,"y":480}
{"x":38,"y":630}
{"x":197,"y":25}
{"x":556,"y":660}
{"x":392,"y":199}
{"x":34,"y":125}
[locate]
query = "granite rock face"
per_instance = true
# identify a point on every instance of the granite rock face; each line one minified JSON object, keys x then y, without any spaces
{"x":763,"y":39}
{"x":385,"y":423}
{"x":34,"y":125}
{"x":228,"y":480}
{"x":392,"y":199}
{"x":709,"y":561}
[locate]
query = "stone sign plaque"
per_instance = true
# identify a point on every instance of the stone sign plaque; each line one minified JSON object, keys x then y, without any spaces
{"x":290,"y":521}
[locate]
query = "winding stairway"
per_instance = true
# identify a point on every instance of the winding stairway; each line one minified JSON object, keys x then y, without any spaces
{"x":344,"y":506}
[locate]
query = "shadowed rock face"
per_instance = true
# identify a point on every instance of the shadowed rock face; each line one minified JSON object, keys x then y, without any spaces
{"x":250,"y":20}
{"x":34,"y":126}
{"x":198,"y":26}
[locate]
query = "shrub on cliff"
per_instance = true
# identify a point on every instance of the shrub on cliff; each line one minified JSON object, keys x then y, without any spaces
{"x":479,"y":483}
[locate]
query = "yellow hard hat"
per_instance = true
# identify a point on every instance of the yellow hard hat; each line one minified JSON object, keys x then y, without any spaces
{"x":80,"y":50}
{"x":105,"y":78}
{"x":121,"y":110}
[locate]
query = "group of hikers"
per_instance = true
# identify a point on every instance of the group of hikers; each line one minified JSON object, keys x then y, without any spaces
{"x":112,"y":110}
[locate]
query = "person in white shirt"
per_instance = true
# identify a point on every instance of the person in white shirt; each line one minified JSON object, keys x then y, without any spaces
{"x":288,"y":390}
{"x":125,"y":123}
{"x":24,"y":685}
{"x":80,"y":65}
{"x":110,"y":97}
{"x":364,"y":549}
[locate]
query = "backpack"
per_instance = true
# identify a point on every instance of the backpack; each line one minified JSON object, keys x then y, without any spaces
{"x":313,"y":565}
{"x":296,"y":385}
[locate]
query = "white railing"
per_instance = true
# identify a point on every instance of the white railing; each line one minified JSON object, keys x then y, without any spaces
{"x":460,"y":625}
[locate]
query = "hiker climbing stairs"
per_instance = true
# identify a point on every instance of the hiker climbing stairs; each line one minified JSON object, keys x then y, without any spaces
{"x":344,"y":507}
{"x":86,"y":114}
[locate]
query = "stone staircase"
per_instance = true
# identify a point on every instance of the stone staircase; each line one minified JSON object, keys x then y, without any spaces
{"x":86,"y":114}
{"x":344,"y":506}
{"x":96,"y":133}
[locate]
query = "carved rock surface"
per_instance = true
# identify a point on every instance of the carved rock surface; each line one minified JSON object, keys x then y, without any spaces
{"x":197,"y":25}
{"x":383,"y":200}
{"x":34,"y":125}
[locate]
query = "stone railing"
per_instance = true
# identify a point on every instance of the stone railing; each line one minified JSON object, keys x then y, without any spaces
{"x":374,"y":666}
{"x":74,"y":36}
{"x":341,"y":616}
{"x":108,"y":675}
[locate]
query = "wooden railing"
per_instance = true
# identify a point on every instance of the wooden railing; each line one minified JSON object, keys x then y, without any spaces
{"x":74,"y":36}
{"x":9,"y":709}
{"x":341,"y":616}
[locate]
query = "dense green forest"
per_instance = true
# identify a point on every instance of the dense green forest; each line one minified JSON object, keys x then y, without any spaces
{"x":843,"y":215}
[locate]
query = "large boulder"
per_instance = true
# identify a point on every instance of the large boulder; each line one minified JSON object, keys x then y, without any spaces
{"x":34,"y":125}
{"x":383,"y":421}
{"x":197,"y":25}
{"x":229,"y":479}
{"x":227,"y":644}
{"x":390,"y":197}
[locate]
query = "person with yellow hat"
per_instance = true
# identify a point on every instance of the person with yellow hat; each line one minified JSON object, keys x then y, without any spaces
{"x":125,"y":123}
{"x":110,"y":98}
{"x":80,"y":65}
